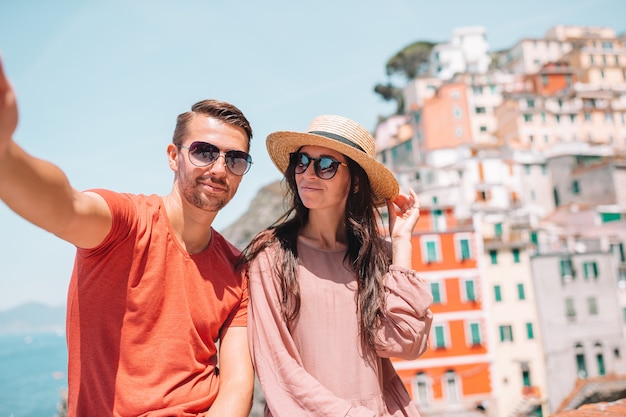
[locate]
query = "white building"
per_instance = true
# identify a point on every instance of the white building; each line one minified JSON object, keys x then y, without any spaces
{"x":467,"y":52}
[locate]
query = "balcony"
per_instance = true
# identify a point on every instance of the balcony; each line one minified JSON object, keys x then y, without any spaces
{"x":531,"y":391}
{"x":507,"y":240}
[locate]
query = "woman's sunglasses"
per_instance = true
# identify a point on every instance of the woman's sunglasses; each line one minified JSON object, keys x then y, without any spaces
{"x":324,"y":167}
{"x":202,"y":154}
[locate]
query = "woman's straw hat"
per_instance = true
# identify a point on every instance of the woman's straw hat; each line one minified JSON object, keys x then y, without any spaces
{"x":344,"y":136}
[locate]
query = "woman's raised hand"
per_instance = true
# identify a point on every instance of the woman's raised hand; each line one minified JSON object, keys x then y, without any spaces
{"x":404,"y":212}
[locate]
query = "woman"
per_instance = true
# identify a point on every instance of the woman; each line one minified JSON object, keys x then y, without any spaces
{"x":330,"y":300}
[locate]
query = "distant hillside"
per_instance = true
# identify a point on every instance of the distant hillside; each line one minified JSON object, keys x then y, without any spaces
{"x":32,"y":317}
{"x":267,"y":206}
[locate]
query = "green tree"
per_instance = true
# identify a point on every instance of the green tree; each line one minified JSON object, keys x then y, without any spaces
{"x":409,"y":62}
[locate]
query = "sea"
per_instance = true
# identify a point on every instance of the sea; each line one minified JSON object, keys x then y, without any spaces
{"x":33,"y":374}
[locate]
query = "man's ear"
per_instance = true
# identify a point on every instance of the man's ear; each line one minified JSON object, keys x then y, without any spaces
{"x":172,"y":156}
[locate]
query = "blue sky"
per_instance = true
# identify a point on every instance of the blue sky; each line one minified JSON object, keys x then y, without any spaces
{"x":99,"y":85}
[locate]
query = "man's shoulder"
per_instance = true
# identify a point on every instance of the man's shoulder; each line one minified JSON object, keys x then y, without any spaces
{"x":116,"y":195}
{"x":220,"y":243}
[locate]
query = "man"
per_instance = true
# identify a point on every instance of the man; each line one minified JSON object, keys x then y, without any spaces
{"x":154,"y":289}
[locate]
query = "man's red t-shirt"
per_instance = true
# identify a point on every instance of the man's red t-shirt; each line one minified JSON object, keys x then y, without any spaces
{"x":144,"y":316}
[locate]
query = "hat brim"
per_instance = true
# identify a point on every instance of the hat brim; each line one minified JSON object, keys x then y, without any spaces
{"x":282,"y":143}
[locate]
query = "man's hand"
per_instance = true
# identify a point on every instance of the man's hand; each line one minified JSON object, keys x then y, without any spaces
{"x":8,"y":110}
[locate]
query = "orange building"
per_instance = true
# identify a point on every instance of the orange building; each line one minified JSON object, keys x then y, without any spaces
{"x":446,"y":117}
{"x":454,"y":373}
{"x":553,"y":78}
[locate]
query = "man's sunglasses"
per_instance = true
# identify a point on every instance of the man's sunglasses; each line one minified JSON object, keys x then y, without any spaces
{"x":202,"y":154}
{"x":324,"y":167}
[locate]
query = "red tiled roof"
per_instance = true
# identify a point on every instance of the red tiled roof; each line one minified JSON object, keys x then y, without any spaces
{"x":612,"y":409}
{"x":599,"y":396}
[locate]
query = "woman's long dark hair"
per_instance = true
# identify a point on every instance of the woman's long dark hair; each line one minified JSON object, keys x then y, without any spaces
{"x":365,"y":251}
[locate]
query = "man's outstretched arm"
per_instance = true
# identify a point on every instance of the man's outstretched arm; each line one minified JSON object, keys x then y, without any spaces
{"x":39,"y":191}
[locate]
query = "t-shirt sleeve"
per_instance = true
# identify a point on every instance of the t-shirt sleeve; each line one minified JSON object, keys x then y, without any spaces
{"x":123,"y":219}
{"x":239,"y":316}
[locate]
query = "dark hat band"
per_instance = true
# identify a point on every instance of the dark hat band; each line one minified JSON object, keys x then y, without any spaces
{"x":338,"y":138}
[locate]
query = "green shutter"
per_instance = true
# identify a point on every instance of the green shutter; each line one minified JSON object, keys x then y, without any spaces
{"x":498,"y":294}
{"x":465,"y":250}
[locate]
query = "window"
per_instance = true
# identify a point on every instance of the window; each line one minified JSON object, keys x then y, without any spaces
{"x":526,"y":377}
{"x":557,"y":199}
{"x":570,"y":312}
{"x":440,"y":337}
{"x":493,"y":254}
{"x":567,"y":270}
{"x":520,"y":292}
{"x":581,"y":367}
{"x":528,"y":118}
{"x":618,"y":250}
{"x":470,"y":291}
{"x":483,"y":128}
{"x":477,"y":89}
{"x":451,"y":387}
{"x":530,"y":334}
{"x":497,"y":292}
{"x":587,"y":117}
{"x":515,"y":252}
{"x":600,"y":363}
{"x":575,"y":187}
{"x":436,"y":292}
{"x":457,"y":113}
{"x":590,"y":269}
{"x":497,"y":228}
{"x":592,"y":303}
{"x":439,"y":220}
{"x":481,"y":110}
{"x":431,"y":248}
{"x":506,"y":333}
{"x":543,"y":117}
{"x":530,"y":103}
{"x":474,"y":330}
{"x":463,"y":248}
{"x":423,"y":389}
